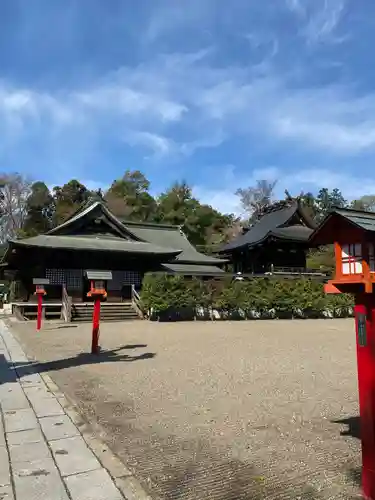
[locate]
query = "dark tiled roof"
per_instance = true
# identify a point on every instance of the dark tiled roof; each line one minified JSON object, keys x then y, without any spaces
{"x":96,"y":208}
{"x":270,"y":223}
{"x":296,"y":233}
{"x":96,"y":244}
{"x":134,"y":237}
{"x":193,"y":269}
{"x":173,"y":237}
{"x":324,"y":233}
{"x":365,"y":220}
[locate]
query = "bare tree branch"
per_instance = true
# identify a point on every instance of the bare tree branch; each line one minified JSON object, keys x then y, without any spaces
{"x":254,"y":198}
{"x":14,"y":191}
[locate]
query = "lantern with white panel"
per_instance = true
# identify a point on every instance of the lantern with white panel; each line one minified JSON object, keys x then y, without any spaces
{"x":351,"y":258}
{"x":98,"y":285}
{"x":352,"y":233}
{"x":40,"y":292}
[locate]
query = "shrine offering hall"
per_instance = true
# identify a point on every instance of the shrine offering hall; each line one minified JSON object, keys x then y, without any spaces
{"x":95,"y":239}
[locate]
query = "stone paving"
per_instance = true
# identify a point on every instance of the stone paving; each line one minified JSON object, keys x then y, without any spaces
{"x":43,"y":453}
{"x":216,"y":410}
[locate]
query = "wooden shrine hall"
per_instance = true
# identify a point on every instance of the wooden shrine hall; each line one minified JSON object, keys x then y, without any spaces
{"x":95,"y":239}
{"x":277,"y":241}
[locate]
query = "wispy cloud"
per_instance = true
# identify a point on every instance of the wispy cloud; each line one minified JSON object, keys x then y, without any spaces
{"x":158,"y":144}
{"x":296,"y":6}
{"x":251,"y":84}
{"x":117,"y":98}
{"x":319,"y":19}
{"x":180,"y":103}
{"x":304,"y":180}
{"x":352,"y":186}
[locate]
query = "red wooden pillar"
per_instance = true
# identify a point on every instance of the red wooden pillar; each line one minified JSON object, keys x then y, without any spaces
{"x":365,"y":334}
{"x":95,"y":326}
{"x":39,"y":292}
{"x":97,"y":292}
{"x":40,"y":312}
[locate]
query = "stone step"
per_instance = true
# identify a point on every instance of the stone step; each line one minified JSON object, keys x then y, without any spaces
{"x":31,"y":314}
{"x":28,"y":314}
{"x":108,"y":312}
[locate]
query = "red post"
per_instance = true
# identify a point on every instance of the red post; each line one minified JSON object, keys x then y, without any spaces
{"x":365,"y":334}
{"x":95,"y":327}
{"x":40,"y":311}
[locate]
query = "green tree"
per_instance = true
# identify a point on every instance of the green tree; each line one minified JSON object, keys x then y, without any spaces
{"x":366,"y":202}
{"x":129,"y":197}
{"x":176,"y":205}
{"x":202,"y":224}
{"x":40,"y":208}
{"x":309,"y":203}
{"x":327,"y":199}
{"x":68,"y":199}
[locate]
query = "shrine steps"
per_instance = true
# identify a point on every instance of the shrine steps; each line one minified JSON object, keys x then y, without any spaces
{"x":27,"y":311}
{"x":115,"y":311}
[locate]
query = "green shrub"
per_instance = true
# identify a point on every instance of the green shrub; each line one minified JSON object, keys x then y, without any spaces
{"x":164,"y":292}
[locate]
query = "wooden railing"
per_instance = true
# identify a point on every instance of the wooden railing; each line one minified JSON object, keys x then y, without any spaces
{"x":136,"y":302}
{"x":66,"y":309}
{"x":296,"y":270}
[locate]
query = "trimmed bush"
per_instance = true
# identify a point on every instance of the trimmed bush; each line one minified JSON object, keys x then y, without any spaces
{"x":173,"y":298}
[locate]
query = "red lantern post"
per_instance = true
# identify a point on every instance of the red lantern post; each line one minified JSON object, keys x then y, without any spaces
{"x":98,"y":293}
{"x":40,"y":292}
{"x":353,"y":235}
{"x":95,"y":326}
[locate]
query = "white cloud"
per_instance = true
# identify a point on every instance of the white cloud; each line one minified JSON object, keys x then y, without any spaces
{"x":323,"y":23}
{"x":352,"y":186}
{"x":119,"y":99}
{"x":160,"y":145}
{"x":210,"y":104}
{"x":297,"y":6}
{"x":330,"y":118}
{"x":313,"y":179}
{"x":170,"y":16}
{"x":223,"y":200}
{"x":319,"y":19}
{"x":336,"y":137}
{"x":178,"y":103}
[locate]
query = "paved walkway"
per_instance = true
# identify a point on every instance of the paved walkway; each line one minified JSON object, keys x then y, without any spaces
{"x":216,"y":410}
{"x":43,"y":454}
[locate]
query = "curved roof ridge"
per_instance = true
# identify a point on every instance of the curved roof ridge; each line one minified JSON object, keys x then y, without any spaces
{"x":149,"y":224}
{"x":278,"y":215}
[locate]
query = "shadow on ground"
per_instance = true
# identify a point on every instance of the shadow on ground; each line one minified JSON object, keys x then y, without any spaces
{"x":353,"y":474}
{"x":82,"y":358}
{"x":354,"y":426}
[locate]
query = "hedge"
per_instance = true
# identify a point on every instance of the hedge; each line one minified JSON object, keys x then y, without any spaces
{"x":165,"y":297}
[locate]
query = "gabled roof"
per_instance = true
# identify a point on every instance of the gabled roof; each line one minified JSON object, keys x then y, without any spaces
{"x":127,"y":236}
{"x":171,"y":236}
{"x":274,"y":223}
{"x":361,"y":218}
{"x":324,"y":233}
{"x":95,"y":209}
{"x":89,"y":243}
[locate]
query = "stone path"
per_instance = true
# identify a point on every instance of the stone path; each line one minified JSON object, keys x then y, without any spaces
{"x":215,"y":410}
{"x":43,"y":454}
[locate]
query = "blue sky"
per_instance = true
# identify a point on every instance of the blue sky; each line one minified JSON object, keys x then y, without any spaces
{"x":218,"y":93}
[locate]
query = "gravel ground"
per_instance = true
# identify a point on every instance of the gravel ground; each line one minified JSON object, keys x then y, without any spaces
{"x":217,"y":411}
